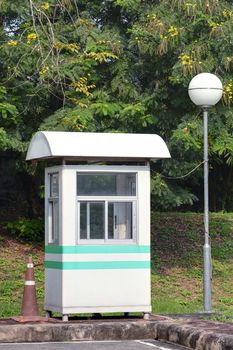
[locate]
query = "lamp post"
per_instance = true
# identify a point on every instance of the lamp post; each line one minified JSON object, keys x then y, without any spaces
{"x":205,"y":90}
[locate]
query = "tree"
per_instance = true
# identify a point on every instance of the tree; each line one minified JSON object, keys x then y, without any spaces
{"x":176,"y":40}
{"x":121,"y":65}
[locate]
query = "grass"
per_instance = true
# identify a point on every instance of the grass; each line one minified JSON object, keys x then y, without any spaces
{"x":12,"y":269}
{"x":177,"y":241}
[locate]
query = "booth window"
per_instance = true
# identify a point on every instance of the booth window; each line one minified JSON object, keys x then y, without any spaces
{"x":53,"y":208}
{"x":106,"y":206}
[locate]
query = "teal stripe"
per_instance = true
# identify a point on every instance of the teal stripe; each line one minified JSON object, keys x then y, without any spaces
{"x":97,"y":265}
{"x":103,"y":249}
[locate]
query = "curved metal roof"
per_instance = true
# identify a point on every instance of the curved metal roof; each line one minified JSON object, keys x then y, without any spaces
{"x":82,"y":145}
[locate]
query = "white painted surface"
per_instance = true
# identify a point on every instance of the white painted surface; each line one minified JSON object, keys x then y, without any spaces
{"x":53,"y":289}
{"x":97,"y":309}
{"x":45,"y":144}
{"x":69,"y":188}
{"x":98,"y":257}
{"x":95,"y":345}
{"x":106,"y":288}
{"x":144,"y":207}
{"x":98,"y":291}
{"x":29,"y":283}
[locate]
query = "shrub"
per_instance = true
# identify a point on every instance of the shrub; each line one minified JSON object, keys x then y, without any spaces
{"x":31,"y":230}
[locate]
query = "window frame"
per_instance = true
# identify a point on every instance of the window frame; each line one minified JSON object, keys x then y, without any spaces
{"x":109,"y":199}
{"x":53,"y":222}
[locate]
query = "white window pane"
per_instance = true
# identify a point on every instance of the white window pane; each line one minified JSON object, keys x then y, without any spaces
{"x":120,"y":220}
{"x":54,"y":185}
{"x":53,"y":221}
{"x":106,"y":184}
{"x":50,"y":222}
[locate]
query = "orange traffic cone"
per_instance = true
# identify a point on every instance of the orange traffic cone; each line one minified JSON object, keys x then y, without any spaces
{"x":29,"y":304}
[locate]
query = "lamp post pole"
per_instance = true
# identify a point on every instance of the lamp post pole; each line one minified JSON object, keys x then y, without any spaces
{"x":206,"y":248}
{"x":205,"y":90}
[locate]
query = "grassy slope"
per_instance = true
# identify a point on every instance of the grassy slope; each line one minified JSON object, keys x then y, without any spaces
{"x":177,"y":241}
{"x":12,"y":269}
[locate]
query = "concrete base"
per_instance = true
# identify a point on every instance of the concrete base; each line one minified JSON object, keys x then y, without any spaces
{"x":96,"y":330}
{"x":194,"y":334}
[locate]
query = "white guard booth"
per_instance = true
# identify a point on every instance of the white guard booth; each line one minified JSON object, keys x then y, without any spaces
{"x":97,"y":220}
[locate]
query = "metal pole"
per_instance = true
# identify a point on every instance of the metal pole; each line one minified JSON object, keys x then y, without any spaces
{"x":206,"y":247}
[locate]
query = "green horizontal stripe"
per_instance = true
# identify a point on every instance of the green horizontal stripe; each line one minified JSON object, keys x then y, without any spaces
{"x":103,"y":249}
{"x":97,"y":265}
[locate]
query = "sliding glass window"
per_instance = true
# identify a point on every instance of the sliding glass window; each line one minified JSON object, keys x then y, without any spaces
{"x":106,"y":206}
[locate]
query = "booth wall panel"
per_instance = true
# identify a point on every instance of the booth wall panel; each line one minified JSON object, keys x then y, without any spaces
{"x":83,"y":288}
{"x":53,"y":287}
{"x":97,"y":257}
{"x":143,"y":234}
{"x":68,"y":206}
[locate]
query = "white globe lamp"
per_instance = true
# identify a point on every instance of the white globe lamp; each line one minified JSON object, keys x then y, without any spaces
{"x":205,"y":89}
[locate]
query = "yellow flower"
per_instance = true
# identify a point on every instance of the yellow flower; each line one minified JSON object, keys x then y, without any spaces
{"x":228,"y":93}
{"x":84,"y":22}
{"x":82,"y":105}
{"x":173,"y":31}
{"x":43,"y":71}
{"x":31,"y":37}
{"x":186,"y":60}
{"x":45,"y":6}
{"x":82,"y":87}
{"x":69,"y":47}
{"x":227,"y":13}
{"x":228,"y":62}
{"x":215,"y":27}
{"x":12,"y":43}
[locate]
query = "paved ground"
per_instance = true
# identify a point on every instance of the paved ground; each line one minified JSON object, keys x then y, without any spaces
{"x":110,"y":345}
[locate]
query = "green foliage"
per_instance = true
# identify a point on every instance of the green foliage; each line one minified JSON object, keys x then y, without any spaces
{"x":9,"y":119}
{"x":224,"y":146}
{"x":31,"y":230}
{"x":121,"y":66}
{"x":165,"y":196}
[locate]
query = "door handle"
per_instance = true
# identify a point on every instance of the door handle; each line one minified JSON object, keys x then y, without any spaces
{"x":115,"y":222}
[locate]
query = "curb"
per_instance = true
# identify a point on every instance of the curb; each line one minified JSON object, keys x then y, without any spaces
{"x":21,"y":333}
{"x":193,"y":337}
{"x":178,"y":332}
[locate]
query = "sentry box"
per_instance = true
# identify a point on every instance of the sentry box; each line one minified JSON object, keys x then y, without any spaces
{"x":97,"y":220}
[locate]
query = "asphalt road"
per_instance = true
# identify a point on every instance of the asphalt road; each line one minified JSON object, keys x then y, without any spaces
{"x":106,"y":345}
